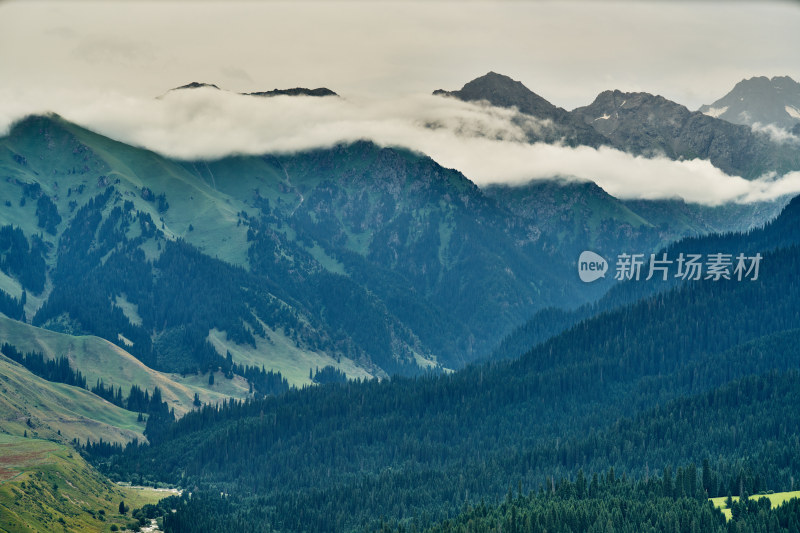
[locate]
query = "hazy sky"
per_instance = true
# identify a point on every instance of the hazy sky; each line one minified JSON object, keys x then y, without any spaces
{"x":691,"y":52}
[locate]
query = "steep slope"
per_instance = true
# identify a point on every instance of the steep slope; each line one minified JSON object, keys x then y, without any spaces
{"x":390,"y":220}
{"x":60,"y":412}
{"x":581,"y":215}
{"x":778,"y":233}
{"x":99,"y":359}
{"x":306,"y":256}
{"x":149,"y":188}
{"x":760,"y":100}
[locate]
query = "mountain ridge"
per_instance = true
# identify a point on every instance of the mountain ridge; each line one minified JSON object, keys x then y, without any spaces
{"x":640,"y":124}
{"x":645,"y":124}
{"x":760,"y":100}
{"x":558,"y":125}
{"x":295,"y":91}
{"x":371,"y":220}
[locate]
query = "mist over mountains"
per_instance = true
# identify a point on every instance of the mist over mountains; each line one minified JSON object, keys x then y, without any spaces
{"x":518,"y":137}
{"x":322,"y":307}
{"x":295,"y":237}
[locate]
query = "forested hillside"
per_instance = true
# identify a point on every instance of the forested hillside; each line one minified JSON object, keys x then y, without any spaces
{"x":783,"y":231}
{"x":696,"y":373}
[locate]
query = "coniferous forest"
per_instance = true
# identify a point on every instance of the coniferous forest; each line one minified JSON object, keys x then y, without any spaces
{"x":601,"y":396}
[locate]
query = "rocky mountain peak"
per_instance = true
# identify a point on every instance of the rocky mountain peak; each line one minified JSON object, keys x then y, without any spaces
{"x":196,"y":85}
{"x":502,"y":91}
{"x":760,"y":100}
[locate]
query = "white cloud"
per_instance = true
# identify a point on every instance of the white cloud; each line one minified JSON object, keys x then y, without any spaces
{"x":776,"y":133}
{"x":487,"y":144}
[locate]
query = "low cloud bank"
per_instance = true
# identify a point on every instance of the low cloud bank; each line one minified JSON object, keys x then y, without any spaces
{"x":487,"y":144}
{"x":776,"y":133}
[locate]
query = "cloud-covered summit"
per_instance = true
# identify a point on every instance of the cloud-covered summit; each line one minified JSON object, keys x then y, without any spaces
{"x":487,"y":144}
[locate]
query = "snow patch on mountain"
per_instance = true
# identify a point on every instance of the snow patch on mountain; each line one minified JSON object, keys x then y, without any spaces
{"x":715,"y":111}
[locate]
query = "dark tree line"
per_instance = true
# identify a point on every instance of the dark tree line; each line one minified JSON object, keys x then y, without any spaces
{"x":617,"y":506}
{"x":328,"y":374}
{"x":57,"y":370}
{"x":23,"y":260}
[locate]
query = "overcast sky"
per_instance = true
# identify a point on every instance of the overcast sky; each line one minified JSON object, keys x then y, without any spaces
{"x":691,"y":52}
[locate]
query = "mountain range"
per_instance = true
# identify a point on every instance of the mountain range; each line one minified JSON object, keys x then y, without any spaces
{"x":641,"y":124}
{"x":315,"y":252}
{"x":296,"y":91}
{"x":168,"y":319}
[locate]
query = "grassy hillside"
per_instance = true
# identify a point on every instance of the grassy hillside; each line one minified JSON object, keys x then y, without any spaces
{"x":79,"y":162}
{"x":46,"y":486}
{"x":97,"y":358}
{"x":49,"y":161}
{"x":282,"y":353}
{"x":41,"y":408}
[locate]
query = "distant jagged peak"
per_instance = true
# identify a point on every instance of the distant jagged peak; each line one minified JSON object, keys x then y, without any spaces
{"x":760,"y":101}
{"x":196,"y":85}
{"x":614,"y":99}
{"x":775,"y":82}
{"x":296,"y":91}
{"x":491,"y":82}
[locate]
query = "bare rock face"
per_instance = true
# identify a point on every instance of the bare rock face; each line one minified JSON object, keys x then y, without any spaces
{"x":641,"y":123}
{"x":638,"y":123}
{"x":760,"y":100}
